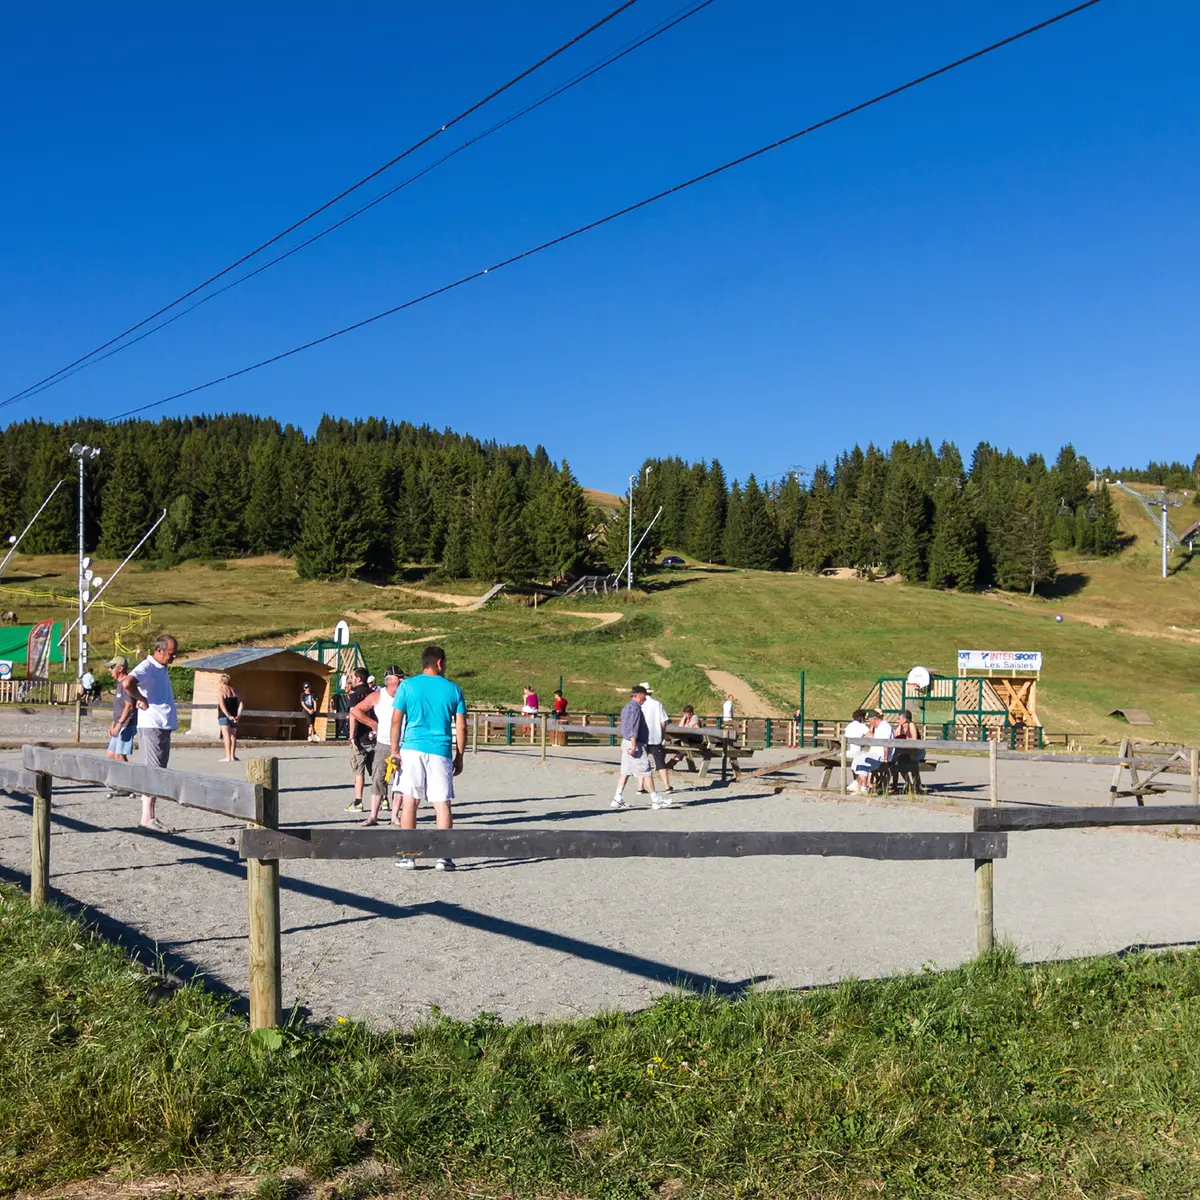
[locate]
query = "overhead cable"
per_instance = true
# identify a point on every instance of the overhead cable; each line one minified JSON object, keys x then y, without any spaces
{"x":329,"y":203}
{"x":621,"y":212}
{"x":654,"y":32}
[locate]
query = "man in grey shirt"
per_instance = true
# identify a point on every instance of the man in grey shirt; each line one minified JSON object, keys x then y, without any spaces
{"x":634,"y":759}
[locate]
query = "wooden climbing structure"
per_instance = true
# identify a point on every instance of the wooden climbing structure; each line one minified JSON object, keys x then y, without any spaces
{"x":976,"y":706}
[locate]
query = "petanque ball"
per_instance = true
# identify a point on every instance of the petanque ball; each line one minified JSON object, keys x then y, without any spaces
{"x":1059,"y":618}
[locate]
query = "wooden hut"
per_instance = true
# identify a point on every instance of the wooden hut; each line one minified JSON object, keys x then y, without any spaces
{"x":269,"y":681}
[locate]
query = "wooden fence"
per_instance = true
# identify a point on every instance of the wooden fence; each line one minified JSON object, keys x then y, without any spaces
{"x":264,"y":845}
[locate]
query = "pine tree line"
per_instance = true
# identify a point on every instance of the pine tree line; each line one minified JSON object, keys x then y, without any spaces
{"x":373,"y":495}
{"x":368,"y":495}
{"x":909,"y":511}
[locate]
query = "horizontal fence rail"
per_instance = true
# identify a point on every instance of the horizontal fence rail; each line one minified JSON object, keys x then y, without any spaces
{"x":17,"y":781}
{"x":587,"y":843}
{"x":1014,"y":818}
{"x":229,"y":797}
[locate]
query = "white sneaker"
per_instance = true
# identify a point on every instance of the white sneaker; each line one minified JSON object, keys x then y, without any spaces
{"x":619,"y":802}
{"x":662,"y":800}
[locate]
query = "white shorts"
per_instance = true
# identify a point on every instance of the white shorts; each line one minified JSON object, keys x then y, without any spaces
{"x":426,"y":777}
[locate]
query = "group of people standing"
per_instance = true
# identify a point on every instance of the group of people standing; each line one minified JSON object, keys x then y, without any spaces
{"x":408,"y":737}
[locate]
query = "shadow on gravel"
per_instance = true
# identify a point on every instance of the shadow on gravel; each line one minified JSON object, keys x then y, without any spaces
{"x":225,"y":861}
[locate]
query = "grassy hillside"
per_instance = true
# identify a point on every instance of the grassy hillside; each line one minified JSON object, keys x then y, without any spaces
{"x":1129,"y":638}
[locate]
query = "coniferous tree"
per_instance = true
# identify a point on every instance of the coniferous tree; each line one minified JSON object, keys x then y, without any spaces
{"x":1028,"y":555}
{"x":905,"y":535}
{"x":499,"y":550}
{"x":570,"y":525}
{"x":455,"y":555}
{"x":1085,"y":531}
{"x":816,"y":542}
{"x":733,"y":552}
{"x":334,"y":532}
{"x":1108,"y":530}
{"x":706,"y":531}
{"x":760,"y":544}
{"x":55,"y":531}
{"x":788,"y":504}
{"x":127,"y":510}
{"x":953,"y":553}
{"x":270,"y":522}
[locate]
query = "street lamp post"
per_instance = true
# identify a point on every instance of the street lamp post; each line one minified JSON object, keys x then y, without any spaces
{"x":83,"y":454}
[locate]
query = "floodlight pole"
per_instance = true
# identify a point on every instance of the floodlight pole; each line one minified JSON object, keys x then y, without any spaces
{"x":1164,"y":540}
{"x":82,"y":453}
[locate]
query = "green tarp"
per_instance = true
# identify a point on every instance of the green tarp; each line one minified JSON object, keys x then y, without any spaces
{"x":14,"y":642}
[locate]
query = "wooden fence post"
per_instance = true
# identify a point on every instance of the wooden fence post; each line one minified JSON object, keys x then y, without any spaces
{"x":262,"y":877}
{"x":1195,"y":775}
{"x":39,"y":869}
{"x":994,"y":770}
{"x":474,"y":733}
{"x":843,"y":740}
{"x":985,"y":929}
{"x":543,"y":724}
{"x":1123,"y":752}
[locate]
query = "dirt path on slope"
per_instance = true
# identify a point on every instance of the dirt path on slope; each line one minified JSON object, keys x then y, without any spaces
{"x":746,"y":701}
{"x":601,"y":618}
{"x":381,"y":622}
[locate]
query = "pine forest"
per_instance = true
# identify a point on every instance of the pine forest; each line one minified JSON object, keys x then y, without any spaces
{"x":373,"y":497}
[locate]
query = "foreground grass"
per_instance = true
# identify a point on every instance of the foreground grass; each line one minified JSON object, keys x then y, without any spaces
{"x":1069,"y":1079}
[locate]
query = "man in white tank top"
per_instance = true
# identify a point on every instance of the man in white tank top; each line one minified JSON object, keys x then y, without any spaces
{"x":375,"y":712}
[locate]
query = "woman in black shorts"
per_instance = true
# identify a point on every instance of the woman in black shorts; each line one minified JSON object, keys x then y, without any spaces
{"x":229,"y":710}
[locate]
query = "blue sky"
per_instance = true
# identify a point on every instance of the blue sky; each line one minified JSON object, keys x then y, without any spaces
{"x":1008,"y":253}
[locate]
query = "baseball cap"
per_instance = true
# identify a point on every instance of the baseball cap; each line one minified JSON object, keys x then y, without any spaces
{"x":393,"y":673}
{"x":119,"y":661}
{"x":646,"y":688}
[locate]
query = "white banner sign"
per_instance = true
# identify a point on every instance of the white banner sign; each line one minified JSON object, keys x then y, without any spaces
{"x":999,"y":660}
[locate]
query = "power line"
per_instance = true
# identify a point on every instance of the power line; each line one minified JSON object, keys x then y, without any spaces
{"x":622,"y":212}
{"x":329,"y":203}
{"x":655,"y":31}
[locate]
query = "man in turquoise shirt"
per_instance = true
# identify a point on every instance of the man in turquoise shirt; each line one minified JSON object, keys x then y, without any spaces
{"x":432,"y":713}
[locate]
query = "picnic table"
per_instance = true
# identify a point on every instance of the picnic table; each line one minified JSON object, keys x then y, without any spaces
{"x":833,"y":761}
{"x":692,"y":743}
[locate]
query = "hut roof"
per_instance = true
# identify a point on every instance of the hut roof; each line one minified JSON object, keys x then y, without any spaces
{"x":243,"y":656}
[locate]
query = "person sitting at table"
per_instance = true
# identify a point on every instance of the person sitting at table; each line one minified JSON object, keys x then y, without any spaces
{"x":688,"y":720}
{"x":906,"y":763}
{"x":866,"y":760}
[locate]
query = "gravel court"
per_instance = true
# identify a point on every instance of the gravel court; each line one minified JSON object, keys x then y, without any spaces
{"x":562,"y":938}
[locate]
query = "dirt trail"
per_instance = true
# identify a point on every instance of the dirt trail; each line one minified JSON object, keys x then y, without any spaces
{"x":455,"y":601}
{"x":601,"y":618}
{"x":746,"y":701}
{"x":661,"y":660}
{"x":381,"y":622}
